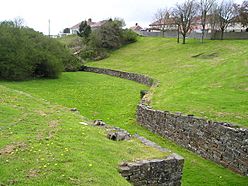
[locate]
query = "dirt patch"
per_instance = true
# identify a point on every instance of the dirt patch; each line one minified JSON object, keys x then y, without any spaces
{"x":8,"y":149}
{"x":45,"y":135}
{"x":49,"y":132}
{"x":40,"y":136}
{"x":206,"y":56}
{"x":74,"y":181}
{"x":9,"y":182}
{"x":41,"y":113}
{"x":197,"y":55}
{"x":33,"y":173}
{"x":53,"y":123}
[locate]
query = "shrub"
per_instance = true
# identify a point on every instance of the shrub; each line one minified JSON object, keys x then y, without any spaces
{"x":129,"y":36}
{"x":110,"y":36}
{"x":90,"y":53}
{"x":71,"y":63}
{"x":26,"y":53}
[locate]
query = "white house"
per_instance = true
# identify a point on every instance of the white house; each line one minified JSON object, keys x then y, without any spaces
{"x":94,"y":25}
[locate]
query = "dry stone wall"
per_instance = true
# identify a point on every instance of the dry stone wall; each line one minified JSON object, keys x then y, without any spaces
{"x":157,"y":172}
{"x":125,"y":75}
{"x":223,"y":143}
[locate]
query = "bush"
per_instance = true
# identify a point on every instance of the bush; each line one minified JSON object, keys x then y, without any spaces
{"x":129,"y":36}
{"x":71,"y":63}
{"x":89,"y":53}
{"x":110,"y":36}
{"x":26,"y":53}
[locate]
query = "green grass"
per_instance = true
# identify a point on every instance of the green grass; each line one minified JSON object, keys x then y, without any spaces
{"x":43,"y":143}
{"x":113,"y":100}
{"x":95,"y":96}
{"x":208,"y":80}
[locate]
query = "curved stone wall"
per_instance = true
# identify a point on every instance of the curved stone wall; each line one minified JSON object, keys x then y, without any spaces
{"x":223,"y":143}
{"x":125,"y":75}
{"x":220,"y":142}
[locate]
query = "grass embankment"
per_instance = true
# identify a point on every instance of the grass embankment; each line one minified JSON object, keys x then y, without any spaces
{"x":70,"y":40}
{"x":44,"y":144}
{"x":114,"y":100}
{"x":208,"y":80}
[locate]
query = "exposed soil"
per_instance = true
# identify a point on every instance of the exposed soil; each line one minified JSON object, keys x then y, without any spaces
{"x":8,"y":149}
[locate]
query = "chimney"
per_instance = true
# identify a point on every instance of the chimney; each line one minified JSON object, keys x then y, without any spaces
{"x":136,"y":24}
{"x":89,"y":20}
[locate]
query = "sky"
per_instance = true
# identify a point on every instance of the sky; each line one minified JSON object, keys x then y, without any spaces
{"x":67,"y":13}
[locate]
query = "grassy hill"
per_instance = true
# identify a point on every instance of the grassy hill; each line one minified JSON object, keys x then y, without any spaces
{"x":91,"y":159}
{"x":43,"y":143}
{"x":208,"y":80}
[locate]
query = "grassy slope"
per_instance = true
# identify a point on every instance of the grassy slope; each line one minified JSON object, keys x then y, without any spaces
{"x":48,"y":146}
{"x":95,"y":96}
{"x":114,"y":101}
{"x":213,"y":85}
{"x":70,"y":41}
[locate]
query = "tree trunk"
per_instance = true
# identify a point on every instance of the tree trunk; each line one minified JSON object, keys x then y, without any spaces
{"x":178,"y":40}
{"x":184,"y":36}
{"x":203,"y":32}
{"x":163,"y":30}
{"x":222,"y":34}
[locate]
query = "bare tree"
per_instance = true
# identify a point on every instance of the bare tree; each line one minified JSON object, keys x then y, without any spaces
{"x":225,"y":14}
{"x":162,"y":17}
{"x":177,"y":22}
{"x":204,"y":8}
{"x":242,"y":13}
{"x":185,"y":13}
{"x":213,"y":17}
{"x":18,"y":22}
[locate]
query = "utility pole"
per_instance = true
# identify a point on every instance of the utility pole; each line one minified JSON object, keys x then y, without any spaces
{"x":49,"y":28}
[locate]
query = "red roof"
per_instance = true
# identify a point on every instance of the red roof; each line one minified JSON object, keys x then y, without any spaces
{"x":92,"y":24}
{"x":160,"y":22}
{"x":136,"y":27}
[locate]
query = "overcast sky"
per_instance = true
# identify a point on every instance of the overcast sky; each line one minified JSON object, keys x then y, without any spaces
{"x":62,"y":13}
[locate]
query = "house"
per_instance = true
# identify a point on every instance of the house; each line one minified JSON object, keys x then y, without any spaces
{"x":169,"y":25}
{"x":162,"y":24}
{"x":94,"y":25}
{"x":136,"y":28}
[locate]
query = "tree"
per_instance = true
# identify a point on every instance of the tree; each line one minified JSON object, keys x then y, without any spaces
{"x":26,"y":53}
{"x":162,"y":16}
{"x":242,"y":11}
{"x":84,"y":30}
{"x":66,"y":31}
{"x":110,"y":34}
{"x":213,"y":17}
{"x":176,"y":21}
{"x":185,"y":13}
{"x":18,"y":22}
{"x":204,"y":7}
{"x":225,"y":15}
